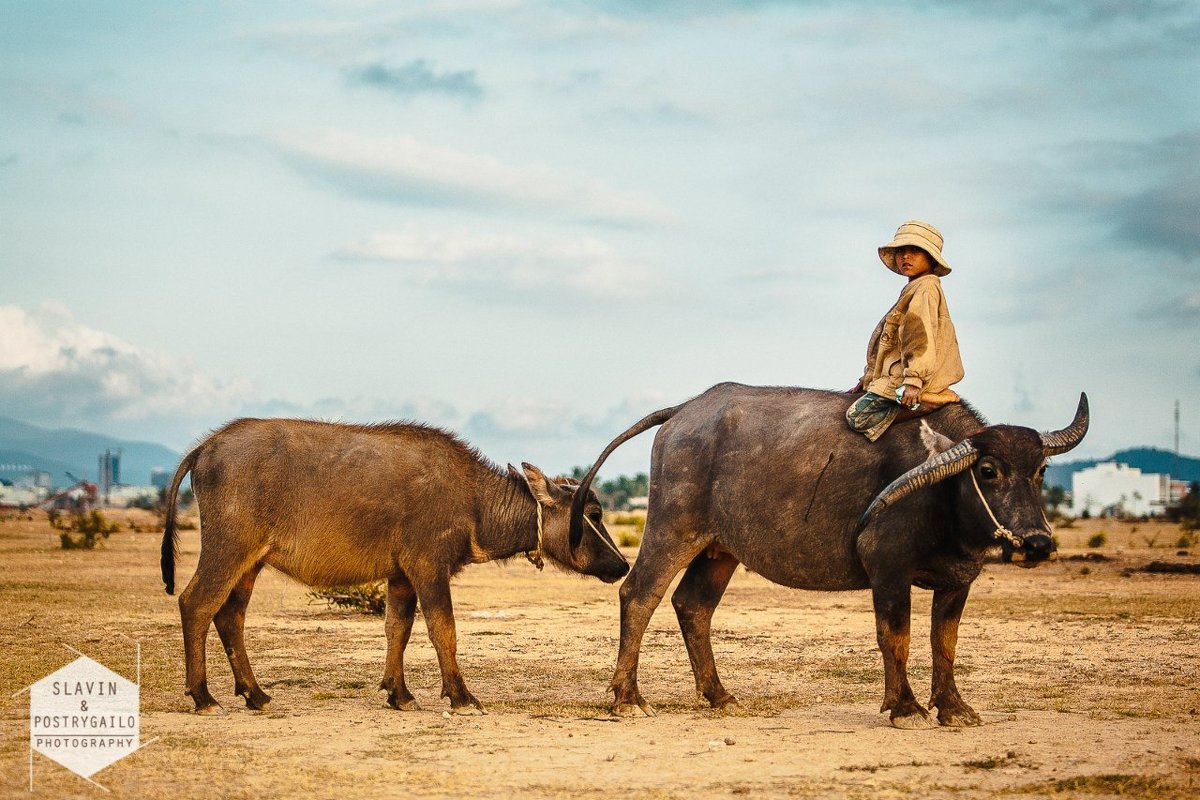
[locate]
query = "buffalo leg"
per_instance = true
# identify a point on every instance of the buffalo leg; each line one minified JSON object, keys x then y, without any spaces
{"x":695,"y":600}
{"x":231,"y":626}
{"x":217,"y":573}
{"x":434,"y":596}
{"x":397,"y":625}
{"x":943,"y":635}
{"x":892,"y":610}
{"x":641,"y":593}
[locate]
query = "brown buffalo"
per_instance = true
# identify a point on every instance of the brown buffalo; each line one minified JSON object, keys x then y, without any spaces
{"x":332,"y":504}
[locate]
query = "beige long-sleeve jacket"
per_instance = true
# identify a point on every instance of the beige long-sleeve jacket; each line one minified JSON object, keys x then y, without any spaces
{"x":914,"y":343}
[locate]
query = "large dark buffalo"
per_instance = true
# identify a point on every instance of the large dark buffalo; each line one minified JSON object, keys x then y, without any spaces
{"x":774,"y":479}
{"x":332,"y":504}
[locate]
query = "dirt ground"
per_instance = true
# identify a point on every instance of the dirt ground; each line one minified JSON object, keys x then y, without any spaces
{"x":1086,"y":673}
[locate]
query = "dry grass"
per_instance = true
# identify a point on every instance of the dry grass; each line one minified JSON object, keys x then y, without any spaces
{"x":1087,"y":684}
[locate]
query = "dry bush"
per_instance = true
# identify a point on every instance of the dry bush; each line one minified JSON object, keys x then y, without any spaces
{"x":88,"y":525}
{"x":366,"y":598}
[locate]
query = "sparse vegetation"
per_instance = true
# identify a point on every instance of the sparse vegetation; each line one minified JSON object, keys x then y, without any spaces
{"x":636,"y":520}
{"x":1187,"y":511}
{"x":992,"y":763}
{"x":615,"y":493}
{"x":366,"y":598}
{"x":1119,"y":785}
{"x":1052,"y":498}
{"x":88,"y":526}
{"x":1097,"y":540}
{"x":627,"y":528}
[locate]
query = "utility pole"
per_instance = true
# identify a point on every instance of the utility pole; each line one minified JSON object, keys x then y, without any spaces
{"x":1175,"y":457}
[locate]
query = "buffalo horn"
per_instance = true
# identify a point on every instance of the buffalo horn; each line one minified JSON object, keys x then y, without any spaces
{"x":935,"y":468}
{"x":1055,"y":442}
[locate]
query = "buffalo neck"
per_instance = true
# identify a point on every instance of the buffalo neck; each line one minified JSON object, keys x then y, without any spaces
{"x":507,"y":517}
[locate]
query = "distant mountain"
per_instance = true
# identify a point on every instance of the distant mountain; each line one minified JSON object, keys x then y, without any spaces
{"x":68,"y":450}
{"x":1147,"y":459}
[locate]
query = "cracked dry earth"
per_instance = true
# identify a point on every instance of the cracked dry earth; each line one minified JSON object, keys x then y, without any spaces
{"x":1085,"y":674}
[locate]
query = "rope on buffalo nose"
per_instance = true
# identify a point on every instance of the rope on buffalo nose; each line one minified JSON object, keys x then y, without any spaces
{"x":1001,"y":532}
{"x":535,"y":555}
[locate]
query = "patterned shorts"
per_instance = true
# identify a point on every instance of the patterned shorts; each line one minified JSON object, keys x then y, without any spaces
{"x":871,"y":414}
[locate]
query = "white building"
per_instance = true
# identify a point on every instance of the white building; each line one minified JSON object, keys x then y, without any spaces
{"x":1110,"y":487}
{"x":21,"y":494}
{"x":123,"y":496}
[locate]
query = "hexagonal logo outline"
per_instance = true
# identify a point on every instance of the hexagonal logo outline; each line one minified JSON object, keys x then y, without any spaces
{"x":84,"y":716}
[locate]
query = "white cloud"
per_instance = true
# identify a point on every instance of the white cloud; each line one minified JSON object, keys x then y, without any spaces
{"x":517,"y":264}
{"x":354,"y":28}
{"x":406,"y":171}
{"x":52,"y":368}
{"x":58,"y":372}
{"x":558,"y":436}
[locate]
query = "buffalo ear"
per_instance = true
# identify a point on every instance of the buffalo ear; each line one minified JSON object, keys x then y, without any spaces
{"x":934,"y":442}
{"x":541,"y":488}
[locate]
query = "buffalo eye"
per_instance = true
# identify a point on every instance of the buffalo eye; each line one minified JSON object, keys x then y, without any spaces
{"x":987,"y":472}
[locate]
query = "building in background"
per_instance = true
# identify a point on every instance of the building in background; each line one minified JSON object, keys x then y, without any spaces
{"x":22,"y":493}
{"x":160,"y":478}
{"x":109,"y":471}
{"x":1114,"y":489}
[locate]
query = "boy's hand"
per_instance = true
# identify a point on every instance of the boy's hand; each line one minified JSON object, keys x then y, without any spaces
{"x":911,"y":397}
{"x":856,"y":388}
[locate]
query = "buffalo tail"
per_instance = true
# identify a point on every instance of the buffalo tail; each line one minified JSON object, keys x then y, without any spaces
{"x":170,"y":534}
{"x":577,"y":503}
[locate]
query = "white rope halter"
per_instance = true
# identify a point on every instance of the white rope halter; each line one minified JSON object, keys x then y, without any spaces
{"x":535,"y":555}
{"x":1001,"y":532}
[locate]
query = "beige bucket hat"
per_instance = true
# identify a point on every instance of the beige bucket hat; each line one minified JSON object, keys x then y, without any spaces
{"x":918,"y":234}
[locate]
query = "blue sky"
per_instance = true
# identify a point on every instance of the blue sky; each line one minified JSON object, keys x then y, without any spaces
{"x":534,"y":222}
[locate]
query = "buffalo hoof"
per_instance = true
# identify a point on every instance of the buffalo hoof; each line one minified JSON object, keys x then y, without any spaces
{"x":913,"y":722}
{"x":964,"y":717}
{"x":403,"y":705}
{"x":633,"y":710}
{"x":727,"y":705}
{"x":257,"y":700}
{"x":468,"y":711}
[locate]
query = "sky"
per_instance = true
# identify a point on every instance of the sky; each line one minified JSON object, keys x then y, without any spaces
{"x":533,"y":222}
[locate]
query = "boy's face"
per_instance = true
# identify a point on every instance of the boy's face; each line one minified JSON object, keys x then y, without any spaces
{"x":913,"y":262}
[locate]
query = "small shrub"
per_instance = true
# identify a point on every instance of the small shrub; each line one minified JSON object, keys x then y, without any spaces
{"x":636,"y":520}
{"x":628,"y":539}
{"x":366,"y":598}
{"x":1067,"y":522}
{"x":89,"y":526}
{"x":1097,"y":539}
{"x":1185,"y":541}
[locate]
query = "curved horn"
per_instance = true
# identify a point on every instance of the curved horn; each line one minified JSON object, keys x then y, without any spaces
{"x":1055,"y":442}
{"x":935,"y":468}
